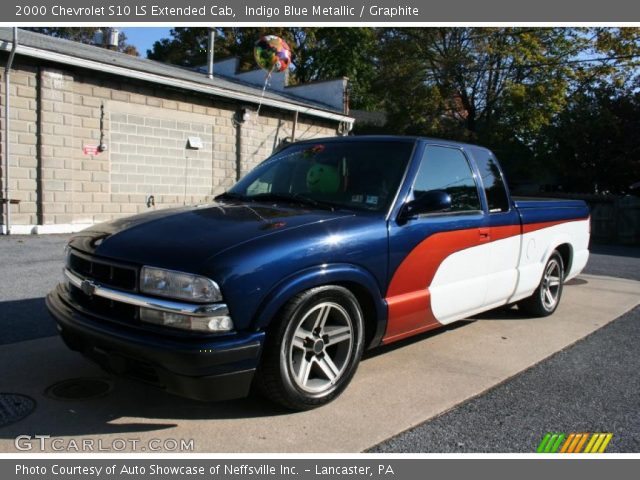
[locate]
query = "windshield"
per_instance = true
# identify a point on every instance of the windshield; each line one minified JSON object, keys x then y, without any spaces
{"x":357,"y":175}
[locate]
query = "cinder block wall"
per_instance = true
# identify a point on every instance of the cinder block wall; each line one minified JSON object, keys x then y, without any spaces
{"x":56,"y":111}
{"x":24,"y":145}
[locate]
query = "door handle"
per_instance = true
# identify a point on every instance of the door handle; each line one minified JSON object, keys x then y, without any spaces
{"x":485,"y":235}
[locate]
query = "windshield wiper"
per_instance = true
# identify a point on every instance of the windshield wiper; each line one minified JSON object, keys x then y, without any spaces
{"x":282,"y":197}
{"x":291,"y":198}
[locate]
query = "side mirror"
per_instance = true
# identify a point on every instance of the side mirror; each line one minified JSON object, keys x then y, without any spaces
{"x":432,"y":201}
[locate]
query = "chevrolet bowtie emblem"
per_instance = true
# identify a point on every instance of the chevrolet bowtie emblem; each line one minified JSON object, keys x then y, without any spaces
{"x":88,"y":287}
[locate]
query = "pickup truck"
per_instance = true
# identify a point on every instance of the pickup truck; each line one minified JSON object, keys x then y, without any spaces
{"x":327,"y":248}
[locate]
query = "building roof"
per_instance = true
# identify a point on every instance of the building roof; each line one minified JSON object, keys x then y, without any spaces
{"x":107,"y":61}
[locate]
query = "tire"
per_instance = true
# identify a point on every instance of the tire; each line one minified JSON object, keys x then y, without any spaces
{"x":546,"y":297}
{"x":313,"y":349}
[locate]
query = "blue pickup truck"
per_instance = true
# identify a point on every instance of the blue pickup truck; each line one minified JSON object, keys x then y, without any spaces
{"x":327,"y":248}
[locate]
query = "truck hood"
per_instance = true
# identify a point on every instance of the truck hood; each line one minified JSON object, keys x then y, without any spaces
{"x":184,"y":238}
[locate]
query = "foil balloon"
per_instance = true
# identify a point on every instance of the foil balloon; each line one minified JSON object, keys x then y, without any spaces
{"x":272,"y":53}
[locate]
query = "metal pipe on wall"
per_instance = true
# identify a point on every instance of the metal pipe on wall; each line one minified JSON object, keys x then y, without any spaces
{"x":238,"y":149}
{"x":295,"y":125}
{"x":212,"y":36}
{"x":7,"y":143}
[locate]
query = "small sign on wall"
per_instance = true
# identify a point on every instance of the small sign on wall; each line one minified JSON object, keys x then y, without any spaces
{"x":194,"y":143}
{"x":91,"y":150}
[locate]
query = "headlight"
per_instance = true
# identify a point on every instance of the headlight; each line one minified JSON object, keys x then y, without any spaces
{"x":215,"y":323}
{"x":183,"y":286}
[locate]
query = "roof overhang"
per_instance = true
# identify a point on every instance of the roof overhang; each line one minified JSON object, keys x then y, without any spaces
{"x":172,"y":82}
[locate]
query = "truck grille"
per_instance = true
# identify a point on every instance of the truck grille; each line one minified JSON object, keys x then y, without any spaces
{"x":103,"y":307}
{"x":113,"y":275}
{"x":109,"y":274}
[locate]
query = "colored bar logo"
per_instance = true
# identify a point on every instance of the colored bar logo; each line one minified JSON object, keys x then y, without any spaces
{"x":574,"y":443}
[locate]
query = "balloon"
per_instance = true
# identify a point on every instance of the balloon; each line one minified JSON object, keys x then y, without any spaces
{"x":323,"y":178}
{"x":272,"y":53}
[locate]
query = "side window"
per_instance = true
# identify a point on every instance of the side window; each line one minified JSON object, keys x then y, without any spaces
{"x":493,"y":182}
{"x":447,"y":169}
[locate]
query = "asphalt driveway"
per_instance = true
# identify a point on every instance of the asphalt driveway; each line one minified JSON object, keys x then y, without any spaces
{"x":30,"y":267}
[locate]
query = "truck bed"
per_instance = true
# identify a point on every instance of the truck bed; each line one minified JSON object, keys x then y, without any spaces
{"x":551,"y":210}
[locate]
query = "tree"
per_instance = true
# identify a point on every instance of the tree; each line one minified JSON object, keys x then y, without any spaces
{"x":501,"y":87}
{"x":85,"y":35}
{"x":187,"y":47}
{"x":593,"y":145}
{"x":476,"y":79}
{"x":341,"y":52}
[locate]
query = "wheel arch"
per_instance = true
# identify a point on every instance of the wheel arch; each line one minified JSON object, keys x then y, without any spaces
{"x":561,"y":243}
{"x":566,"y":253}
{"x":357,"y":280}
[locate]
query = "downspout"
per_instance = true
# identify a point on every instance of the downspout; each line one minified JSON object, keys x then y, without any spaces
{"x":7,"y":111}
{"x":345,"y":106}
{"x":295,"y":125}
{"x":238,"y":148}
{"x":211,"y":40}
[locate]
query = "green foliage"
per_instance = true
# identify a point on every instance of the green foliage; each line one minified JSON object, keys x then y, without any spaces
{"x":186,"y":47}
{"x":518,"y":90}
{"x":593,"y":145}
{"x":482,"y":84}
{"x":327,"y":53}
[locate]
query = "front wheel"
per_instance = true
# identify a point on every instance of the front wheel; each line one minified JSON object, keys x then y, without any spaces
{"x":546,"y":298}
{"x":314,"y":349}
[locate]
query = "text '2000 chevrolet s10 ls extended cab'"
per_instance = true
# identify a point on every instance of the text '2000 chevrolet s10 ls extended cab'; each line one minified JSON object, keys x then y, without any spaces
{"x":325,"y":249}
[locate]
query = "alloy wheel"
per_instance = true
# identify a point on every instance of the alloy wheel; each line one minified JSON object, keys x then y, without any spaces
{"x":551,"y":284}
{"x":321,"y":347}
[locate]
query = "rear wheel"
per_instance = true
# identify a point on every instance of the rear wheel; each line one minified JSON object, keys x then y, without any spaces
{"x":314,"y":350}
{"x":546,"y":298}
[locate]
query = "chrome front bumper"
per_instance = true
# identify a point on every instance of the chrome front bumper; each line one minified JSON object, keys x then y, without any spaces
{"x":89,"y":287}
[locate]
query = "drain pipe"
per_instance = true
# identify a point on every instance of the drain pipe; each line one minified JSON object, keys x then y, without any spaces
{"x":7,"y":111}
{"x":295,"y":125}
{"x":211,"y":40}
{"x":238,"y":123}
